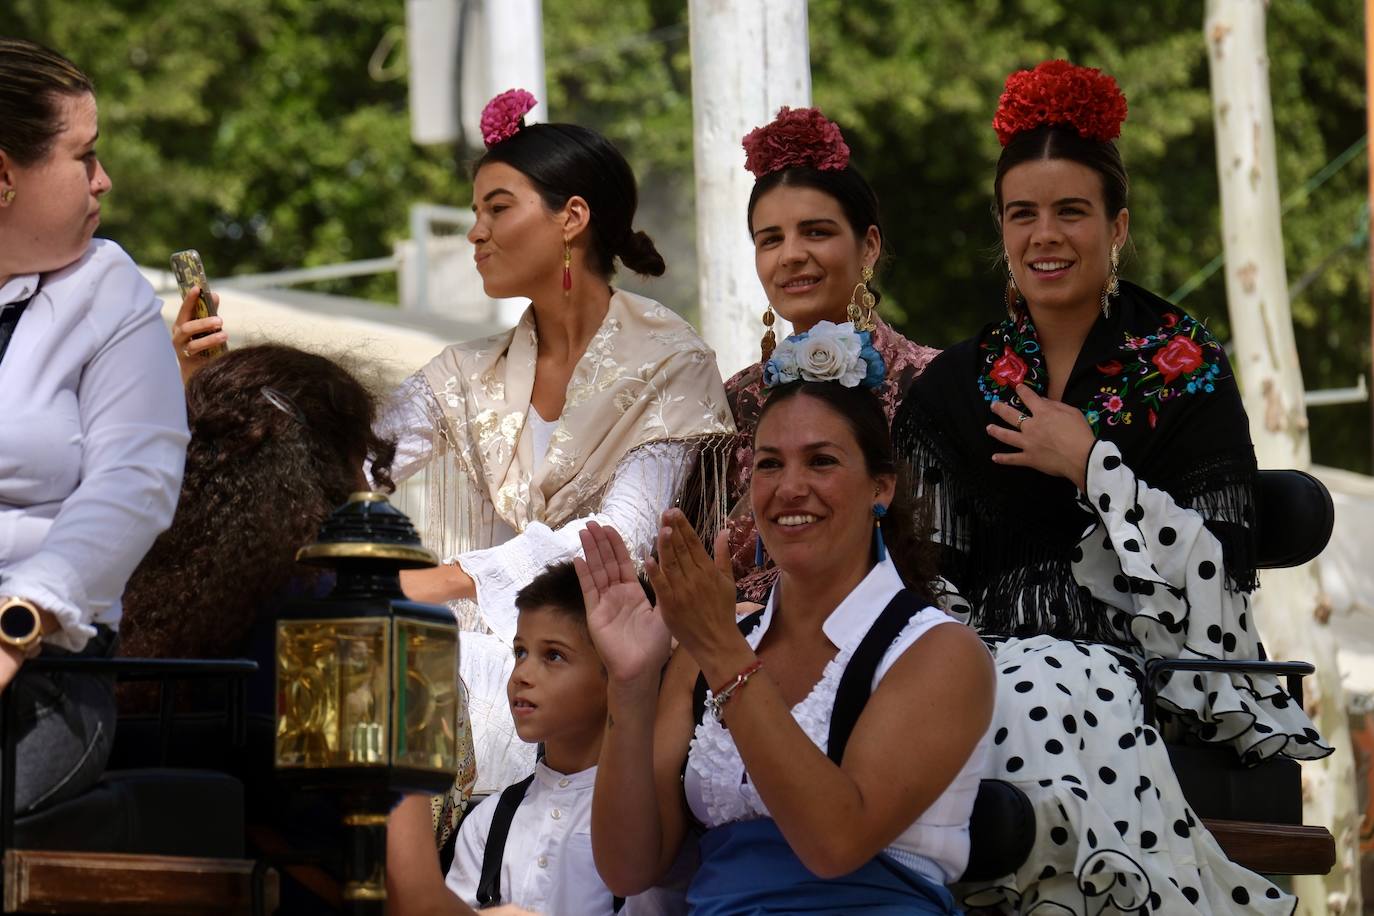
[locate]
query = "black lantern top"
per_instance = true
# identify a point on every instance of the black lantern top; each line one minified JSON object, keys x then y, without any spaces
{"x":368,"y":541}
{"x":368,"y":527}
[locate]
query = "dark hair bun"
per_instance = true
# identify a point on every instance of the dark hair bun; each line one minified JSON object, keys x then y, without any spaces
{"x":639,"y":254}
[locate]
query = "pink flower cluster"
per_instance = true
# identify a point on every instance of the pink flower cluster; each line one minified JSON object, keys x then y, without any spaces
{"x":1058,"y":92}
{"x":504,"y":116}
{"x":796,"y":137}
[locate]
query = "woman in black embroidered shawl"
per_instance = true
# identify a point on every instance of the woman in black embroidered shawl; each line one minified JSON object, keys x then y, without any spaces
{"x":1091,"y":467}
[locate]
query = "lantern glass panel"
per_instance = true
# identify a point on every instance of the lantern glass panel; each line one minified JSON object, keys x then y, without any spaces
{"x":429,"y":712}
{"x":332,"y":701}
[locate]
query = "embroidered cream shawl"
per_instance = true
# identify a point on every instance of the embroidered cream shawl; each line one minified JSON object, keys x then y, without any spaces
{"x":645,"y":377}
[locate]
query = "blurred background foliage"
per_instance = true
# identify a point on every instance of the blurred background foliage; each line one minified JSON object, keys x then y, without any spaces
{"x":254,"y":131}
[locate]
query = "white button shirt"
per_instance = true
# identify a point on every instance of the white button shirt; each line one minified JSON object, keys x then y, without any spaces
{"x":548,"y":865}
{"x":92,"y":438}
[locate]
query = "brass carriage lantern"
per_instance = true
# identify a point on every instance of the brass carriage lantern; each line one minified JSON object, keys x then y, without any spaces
{"x":368,"y":702}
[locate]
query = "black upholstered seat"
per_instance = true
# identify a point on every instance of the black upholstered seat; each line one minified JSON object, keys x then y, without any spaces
{"x":145,"y":812}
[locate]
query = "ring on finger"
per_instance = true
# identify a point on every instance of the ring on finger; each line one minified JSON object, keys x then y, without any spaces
{"x":1021,"y":419}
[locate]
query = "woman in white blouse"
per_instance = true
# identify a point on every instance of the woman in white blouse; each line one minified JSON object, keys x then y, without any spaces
{"x":807,"y":801}
{"x":92,"y":420}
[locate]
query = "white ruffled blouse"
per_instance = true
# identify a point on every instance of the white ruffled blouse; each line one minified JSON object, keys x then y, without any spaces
{"x":716,"y":783}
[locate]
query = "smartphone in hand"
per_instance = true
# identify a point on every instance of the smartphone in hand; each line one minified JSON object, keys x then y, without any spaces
{"x":190,"y":271}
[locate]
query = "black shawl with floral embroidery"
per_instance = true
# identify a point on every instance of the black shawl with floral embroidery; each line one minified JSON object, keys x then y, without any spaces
{"x":1150,"y":379}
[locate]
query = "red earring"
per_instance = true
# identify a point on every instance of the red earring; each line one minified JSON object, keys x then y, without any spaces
{"x":567,"y":268}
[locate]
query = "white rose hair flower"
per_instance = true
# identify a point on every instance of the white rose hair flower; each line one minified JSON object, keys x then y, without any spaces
{"x":829,"y":352}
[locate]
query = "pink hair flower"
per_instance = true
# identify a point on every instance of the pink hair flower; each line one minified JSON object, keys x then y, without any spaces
{"x":505,"y":115}
{"x":796,"y":137}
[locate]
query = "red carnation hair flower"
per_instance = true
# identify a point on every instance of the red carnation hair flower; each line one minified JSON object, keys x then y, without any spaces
{"x":505,"y":115}
{"x":1058,"y":92}
{"x":796,"y":137}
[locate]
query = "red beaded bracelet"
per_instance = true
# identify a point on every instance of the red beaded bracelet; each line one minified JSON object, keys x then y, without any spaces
{"x":718,"y":700}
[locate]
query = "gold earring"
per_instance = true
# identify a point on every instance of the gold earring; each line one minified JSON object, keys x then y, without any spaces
{"x":770,"y":340}
{"x":7,"y":196}
{"x":1113,"y":285}
{"x":862,"y":303}
{"x":1012,"y":294}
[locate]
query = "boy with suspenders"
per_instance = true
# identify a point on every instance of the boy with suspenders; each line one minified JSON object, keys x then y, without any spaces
{"x":531,"y":845}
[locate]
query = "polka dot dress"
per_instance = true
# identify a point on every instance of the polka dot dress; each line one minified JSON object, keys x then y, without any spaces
{"x":1114,"y":832}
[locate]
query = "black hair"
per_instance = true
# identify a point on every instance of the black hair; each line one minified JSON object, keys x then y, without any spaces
{"x":564,"y":161}
{"x":847,"y":186}
{"x":558,"y":588}
{"x":32,"y":80}
{"x":904,"y":533}
{"x":1055,"y":141}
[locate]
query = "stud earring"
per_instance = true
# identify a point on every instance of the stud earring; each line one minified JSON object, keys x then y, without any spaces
{"x":879,"y":512}
{"x":862,"y":303}
{"x":1113,"y":285}
{"x":770,"y":340}
{"x":6,"y":197}
{"x":567,"y":268}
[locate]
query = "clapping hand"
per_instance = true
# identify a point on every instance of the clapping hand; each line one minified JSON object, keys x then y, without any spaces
{"x":696,"y":594}
{"x":628,"y":632}
{"x":1053,"y":437}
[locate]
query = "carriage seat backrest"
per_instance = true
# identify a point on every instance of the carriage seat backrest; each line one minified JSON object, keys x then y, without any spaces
{"x":1294,"y":519}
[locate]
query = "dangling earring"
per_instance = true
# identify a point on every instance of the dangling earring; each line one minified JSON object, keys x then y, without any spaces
{"x":1113,"y":285}
{"x":770,"y":340}
{"x":567,"y":268}
{"x":6,"y":197}
{"x":862,"y":305}
{"x":1012,"y":295}
{"x":760,"y":557}
{"x":879,"y":511}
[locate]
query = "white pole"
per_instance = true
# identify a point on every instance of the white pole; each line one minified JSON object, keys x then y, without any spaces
{"x":504,"y":42}
{"x":514,"y":44}
{"x":470,"y":49}
{"x":1289,"y":608}
{"x":749,"y":58}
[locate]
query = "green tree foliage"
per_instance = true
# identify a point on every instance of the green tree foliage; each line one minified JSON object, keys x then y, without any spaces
{"x":249,"y":129}
{"x":252,"y":130}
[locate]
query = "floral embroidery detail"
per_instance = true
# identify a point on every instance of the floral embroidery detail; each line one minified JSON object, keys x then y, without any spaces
{"x":1179,"y":358}
{"x":1009,"y":369}
{"x":1011,"y":356}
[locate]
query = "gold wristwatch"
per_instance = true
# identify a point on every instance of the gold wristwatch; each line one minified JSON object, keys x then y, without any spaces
{"x":20,"y":625}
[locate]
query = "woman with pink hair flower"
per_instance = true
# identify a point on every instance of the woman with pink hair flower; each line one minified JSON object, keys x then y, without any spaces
{"x":589,"y":409}
{"x":817,"y":235}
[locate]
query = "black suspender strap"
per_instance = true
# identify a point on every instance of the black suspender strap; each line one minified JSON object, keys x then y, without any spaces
{"x":856,"y":684}
{"x":8,"y":319}
{"x":494,"y":853}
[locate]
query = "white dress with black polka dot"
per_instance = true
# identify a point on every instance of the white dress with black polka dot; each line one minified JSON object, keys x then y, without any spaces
{"x":1114,"y":833}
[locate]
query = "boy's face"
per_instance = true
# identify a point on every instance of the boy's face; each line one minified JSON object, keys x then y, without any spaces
{"x":558,"y":687}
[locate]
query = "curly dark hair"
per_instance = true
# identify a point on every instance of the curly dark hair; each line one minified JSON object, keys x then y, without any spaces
{"x":278,"y":440}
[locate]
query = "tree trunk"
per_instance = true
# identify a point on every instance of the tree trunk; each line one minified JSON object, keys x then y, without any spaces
{"x":749,"y":58}
{"x":1290,"y":607}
